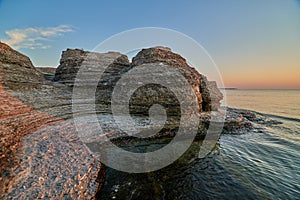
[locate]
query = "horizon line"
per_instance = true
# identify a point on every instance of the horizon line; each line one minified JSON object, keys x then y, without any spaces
{"x":236,"y":88}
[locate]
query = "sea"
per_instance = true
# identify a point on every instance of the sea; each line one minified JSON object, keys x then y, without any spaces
{"x":259,"y":164}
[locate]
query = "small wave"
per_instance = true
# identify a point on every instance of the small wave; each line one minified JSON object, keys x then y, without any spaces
{"x":280,"y":117}
{"x":264,"y":114}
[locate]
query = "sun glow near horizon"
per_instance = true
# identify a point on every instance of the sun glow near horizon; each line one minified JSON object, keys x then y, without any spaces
{"x":255,"y":44}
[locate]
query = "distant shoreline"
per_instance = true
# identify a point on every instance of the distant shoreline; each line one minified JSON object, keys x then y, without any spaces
{"x":259,"y":88}
{"x":229,"y":88}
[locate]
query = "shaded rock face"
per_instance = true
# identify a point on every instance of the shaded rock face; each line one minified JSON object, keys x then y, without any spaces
{"x":17,"y":68}
{"x":161,"y":57}
{"x":70,"y":62}
{"x":48,"y":72}
{"x":111,"y":65}
{"x":207,"y":92}
{"x":211,"y":94}
{"x":72,"y":59}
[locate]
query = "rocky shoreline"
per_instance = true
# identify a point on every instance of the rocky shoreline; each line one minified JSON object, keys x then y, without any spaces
{"x":41,"y":155}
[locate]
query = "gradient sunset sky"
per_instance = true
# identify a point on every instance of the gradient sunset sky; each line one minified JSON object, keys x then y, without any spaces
{"x":255,"y":43}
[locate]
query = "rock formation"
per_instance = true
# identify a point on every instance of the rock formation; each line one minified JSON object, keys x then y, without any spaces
{"x":23,"y":70}
{"x":70,"y":62}
{"x":48,"y":72}
{"x":211,"y":94}
{"x":207,"y":92}
{"x":40,"y":155}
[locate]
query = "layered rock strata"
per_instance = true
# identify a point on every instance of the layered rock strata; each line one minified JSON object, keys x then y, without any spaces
{"x":207,"y":93}
{"x":40,"y":155}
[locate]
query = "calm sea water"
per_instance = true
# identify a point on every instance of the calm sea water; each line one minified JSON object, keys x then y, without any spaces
{"x":256,"y":165}
{"x":284,"y":103}
{"x":266,"y":163}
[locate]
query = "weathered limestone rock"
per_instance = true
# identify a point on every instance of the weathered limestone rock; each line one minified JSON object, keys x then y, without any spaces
{"x":17,"y":68}
{"x":48,"y":72}
{"x":211,"y":94}
{"x":41,"y":155}
{"x":207,"y":92}
{"x":72,"y":59}
{"x":70,"y":62}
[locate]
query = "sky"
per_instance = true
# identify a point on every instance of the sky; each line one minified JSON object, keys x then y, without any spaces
{"x":255,"y":43}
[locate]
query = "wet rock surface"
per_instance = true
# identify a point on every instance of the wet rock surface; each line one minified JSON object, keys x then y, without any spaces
{"x":241,"y":121}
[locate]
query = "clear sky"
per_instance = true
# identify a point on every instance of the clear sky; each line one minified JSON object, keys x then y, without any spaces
{"x":255,"y":43}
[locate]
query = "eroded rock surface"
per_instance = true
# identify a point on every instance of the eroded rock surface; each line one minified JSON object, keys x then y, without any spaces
{"x":23,"y":70}
{"x":41,"y":154}
{"x":207,"y":92}
{"x":48,"y":72}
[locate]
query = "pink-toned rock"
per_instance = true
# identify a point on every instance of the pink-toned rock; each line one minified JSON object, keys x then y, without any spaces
{"x":40,"y":154}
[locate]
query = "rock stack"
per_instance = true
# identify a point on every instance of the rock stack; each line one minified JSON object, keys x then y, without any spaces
{"x":207,"y":92}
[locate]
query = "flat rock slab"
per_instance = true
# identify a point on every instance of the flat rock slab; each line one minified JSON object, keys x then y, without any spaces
{"x":55,"y":164}
{"x":41,"y":156}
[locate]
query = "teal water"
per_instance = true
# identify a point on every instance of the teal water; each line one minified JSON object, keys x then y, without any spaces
{"x":261,"y":164}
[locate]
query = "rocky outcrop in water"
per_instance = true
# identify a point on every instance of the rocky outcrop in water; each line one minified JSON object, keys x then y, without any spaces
{"x":207,"y":92}
{"x":211,"y":94}
{"x":41,"y":155}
